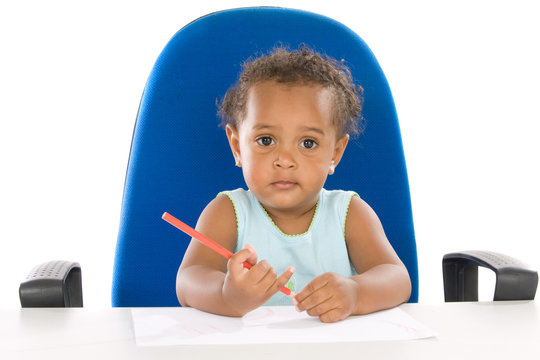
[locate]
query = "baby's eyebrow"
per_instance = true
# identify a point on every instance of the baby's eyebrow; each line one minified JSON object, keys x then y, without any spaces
{"x":263,"y":127}
{"x":304,"y":128}
{"x":313,"y":129}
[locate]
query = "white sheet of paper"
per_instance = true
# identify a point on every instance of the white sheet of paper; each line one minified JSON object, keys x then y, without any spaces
{"x":268,"y":324}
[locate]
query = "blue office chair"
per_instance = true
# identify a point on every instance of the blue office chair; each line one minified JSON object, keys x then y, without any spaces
{"x":180,"y":158}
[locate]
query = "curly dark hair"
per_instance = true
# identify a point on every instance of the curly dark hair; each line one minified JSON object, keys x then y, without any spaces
{"x":302,"y":66}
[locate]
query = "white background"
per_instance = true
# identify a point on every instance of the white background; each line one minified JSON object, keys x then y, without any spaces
{"x":464,"y":74}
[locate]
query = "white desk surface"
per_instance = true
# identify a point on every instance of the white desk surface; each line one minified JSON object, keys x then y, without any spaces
{"x":485,"y":330}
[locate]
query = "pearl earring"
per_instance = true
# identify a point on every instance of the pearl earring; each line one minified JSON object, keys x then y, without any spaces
{"x":332,"y":168}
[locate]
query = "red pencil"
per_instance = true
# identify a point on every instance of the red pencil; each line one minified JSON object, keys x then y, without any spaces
{"x":206,"y":241}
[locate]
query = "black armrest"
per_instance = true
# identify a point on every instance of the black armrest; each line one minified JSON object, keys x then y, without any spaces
{"x":514,"y":279}
{"x":52,"y":284}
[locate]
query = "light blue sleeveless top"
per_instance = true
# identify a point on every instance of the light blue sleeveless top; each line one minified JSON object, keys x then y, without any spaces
{"x":320,"y":249}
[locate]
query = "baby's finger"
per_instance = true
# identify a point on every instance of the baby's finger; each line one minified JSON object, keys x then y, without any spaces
{"x":283,"y":279}
{"x":333,"y":315}
{"x":266,"y":274}
{"x":313,"y":286}
{"x":235,"y":265}
{"x":317,"y":305}
{"x":260,"y":269}
{"x":253,"y":258}
{"x":313,"y":300}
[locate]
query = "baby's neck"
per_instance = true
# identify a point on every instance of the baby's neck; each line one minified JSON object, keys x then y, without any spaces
{"x":292,"y":223}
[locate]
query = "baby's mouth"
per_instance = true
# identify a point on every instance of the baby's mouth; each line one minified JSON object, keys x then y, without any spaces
{"x":284,"y":184}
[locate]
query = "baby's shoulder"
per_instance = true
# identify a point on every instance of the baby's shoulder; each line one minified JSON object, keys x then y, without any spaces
{"x":338,"y":199}
{"x":220,"y":205}
{"x":219,"y":215}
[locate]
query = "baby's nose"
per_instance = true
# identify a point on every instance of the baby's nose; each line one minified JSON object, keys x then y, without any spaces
{"x":285,"y":160}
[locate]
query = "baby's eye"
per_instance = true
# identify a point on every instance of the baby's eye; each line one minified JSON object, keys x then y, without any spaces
{"x":308,"y":144}
{"x":265,"y":141}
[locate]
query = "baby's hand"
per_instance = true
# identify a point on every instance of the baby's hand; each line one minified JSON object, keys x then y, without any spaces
{"x":331,"y":297}
{"x":247,"y":289}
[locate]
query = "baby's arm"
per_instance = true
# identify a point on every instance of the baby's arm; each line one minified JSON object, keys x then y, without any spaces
{"x":382,"y":281}
{"x":214,"y":284}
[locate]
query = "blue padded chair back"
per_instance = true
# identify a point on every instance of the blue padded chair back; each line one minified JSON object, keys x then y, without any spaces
{"x":180,"y":157}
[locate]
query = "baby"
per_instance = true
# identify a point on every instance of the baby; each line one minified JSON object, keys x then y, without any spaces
{"x":288,"y":121}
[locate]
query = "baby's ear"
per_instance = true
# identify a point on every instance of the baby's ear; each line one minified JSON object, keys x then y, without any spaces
{"x":234,"y":142}
{"x":339,"y":149}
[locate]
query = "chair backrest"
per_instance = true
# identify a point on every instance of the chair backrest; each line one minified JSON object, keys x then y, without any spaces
{"x":180,"y":157}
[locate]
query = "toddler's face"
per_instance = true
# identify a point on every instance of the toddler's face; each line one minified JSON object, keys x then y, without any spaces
{"x":287,"y":144}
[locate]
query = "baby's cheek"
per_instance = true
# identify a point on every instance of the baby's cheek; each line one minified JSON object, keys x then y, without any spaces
{"x":255,"y":176}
